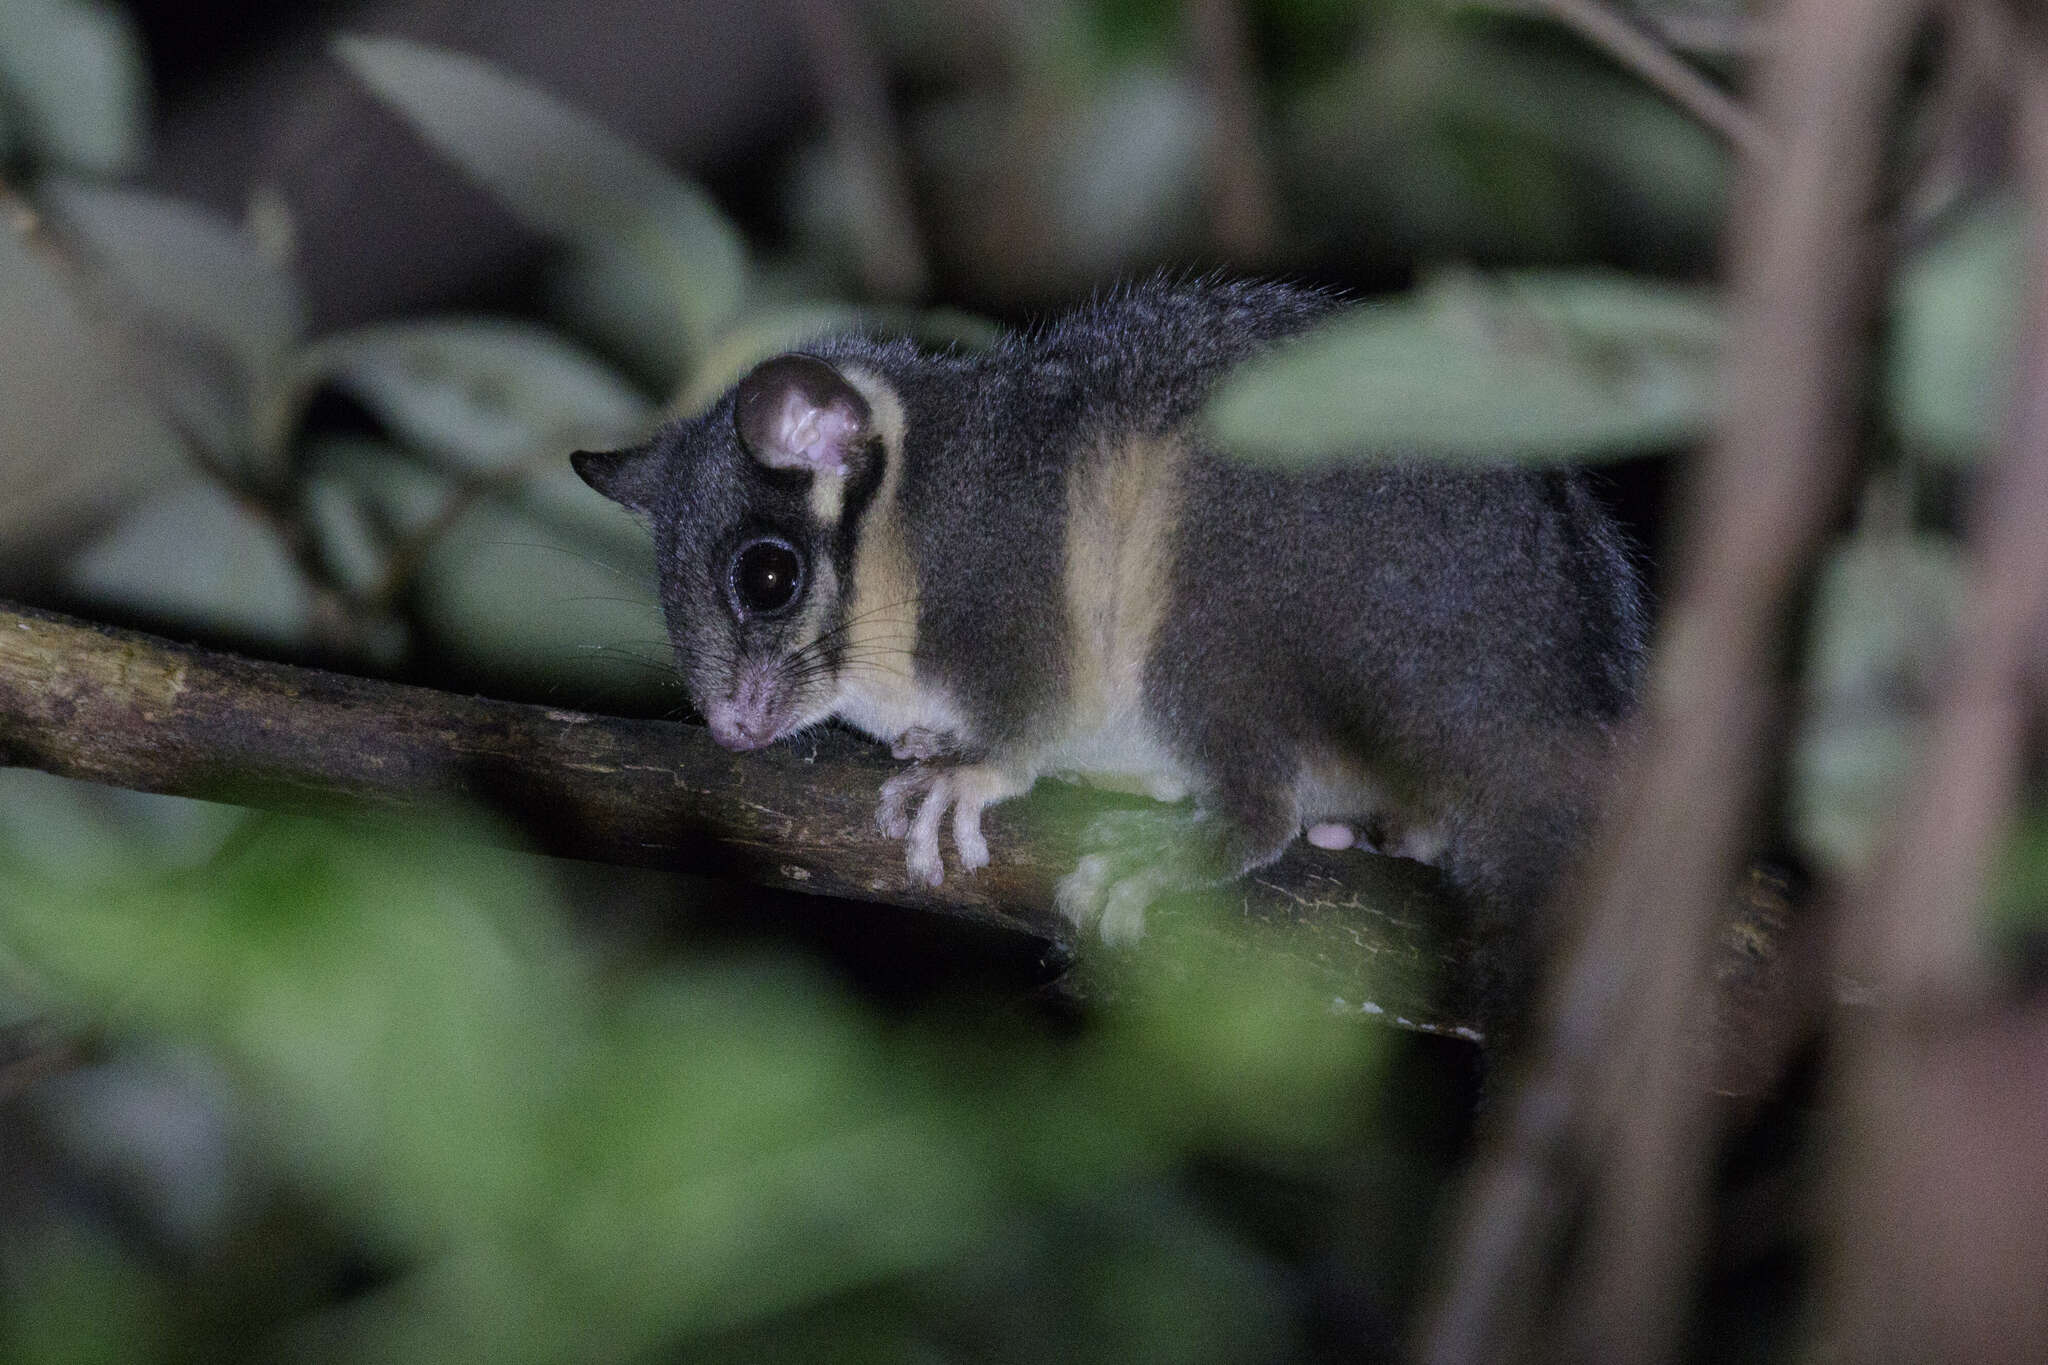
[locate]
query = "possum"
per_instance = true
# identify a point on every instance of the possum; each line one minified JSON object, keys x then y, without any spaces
{"x":1033,"y":560}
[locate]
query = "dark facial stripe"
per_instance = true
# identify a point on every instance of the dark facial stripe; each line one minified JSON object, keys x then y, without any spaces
{"x":844,"y":544}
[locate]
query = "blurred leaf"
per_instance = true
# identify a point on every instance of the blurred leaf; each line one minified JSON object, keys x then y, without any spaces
{"x":564,"y":175}
{"x":394,"y":1002}
{"x":1440,"y":139}
{"x":602,"y":291}
{"x":521,"y":599}
{"x":1957,"y":311}
{"x":558,"y":497}
{"x":70,"y":1297}
{"x":1544,"y":368}
{"x":577,"y":611}
{"x":363,"y":500}
{"x":2017,"y":906}
{"x":74,"y":82}
{"x":76,"y":441}
{"x":484,"y":393}
{"x":1883,"y":613}
{"x":397,"y":494}
{"x":1302,"y":40}
{"x":564,"y":1164}
{"x":1126,"y":177}
{"x":219,"y":317}
{"x":352,"y":551}
{"x":84,"y":835}
{"x":156,"y":1127}
{"x":1132,"y":30}
{"x":758,"y":336}
{"x":194,"y":556}
{"x":1051,"y":190}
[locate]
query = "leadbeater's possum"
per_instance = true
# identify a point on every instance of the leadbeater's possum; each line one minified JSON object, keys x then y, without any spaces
{"x":1032,"y":560}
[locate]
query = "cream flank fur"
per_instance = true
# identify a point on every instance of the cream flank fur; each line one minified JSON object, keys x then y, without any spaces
{"x":1122,"y":506}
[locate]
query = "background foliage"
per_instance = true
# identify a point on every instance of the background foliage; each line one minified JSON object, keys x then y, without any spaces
{"x":367,"y":1095}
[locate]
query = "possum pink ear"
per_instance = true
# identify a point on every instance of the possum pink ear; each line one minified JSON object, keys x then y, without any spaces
{"x":797,"y":412}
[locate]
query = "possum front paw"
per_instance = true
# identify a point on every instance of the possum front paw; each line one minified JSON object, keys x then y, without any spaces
{"x":966,"y":791}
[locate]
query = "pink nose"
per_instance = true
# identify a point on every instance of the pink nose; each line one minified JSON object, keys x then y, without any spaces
{"x":735,"y":725}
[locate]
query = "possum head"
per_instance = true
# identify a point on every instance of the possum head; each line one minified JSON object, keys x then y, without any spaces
{"x":751,"y":506}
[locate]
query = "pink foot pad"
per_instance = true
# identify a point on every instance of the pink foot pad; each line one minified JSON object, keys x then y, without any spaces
{"x":1331,"y":835}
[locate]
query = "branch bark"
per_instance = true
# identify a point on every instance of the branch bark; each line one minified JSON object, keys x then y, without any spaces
{"x":117,"y":707}
{"x":129,"y":710}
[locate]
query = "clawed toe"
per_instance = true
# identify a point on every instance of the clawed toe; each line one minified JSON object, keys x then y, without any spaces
{"x":965,"y":791}
{"x":899,"y":793}
{"x":1123,"y":910}
{"x":1079,"y":893}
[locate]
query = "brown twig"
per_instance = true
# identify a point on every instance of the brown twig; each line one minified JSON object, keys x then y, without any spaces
{"x":1613,"y":1098}
{"x":408,"y":555}
{"x":1808,"y":261}
{"x":1244,"y":216}
{"x":1642,"y":52}
{"x":1961,"y":145}
{"x":1941,"y":1189}
{"x":852,"y":86}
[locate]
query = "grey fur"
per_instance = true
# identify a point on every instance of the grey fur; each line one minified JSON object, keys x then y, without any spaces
{"x":1473,"y":636}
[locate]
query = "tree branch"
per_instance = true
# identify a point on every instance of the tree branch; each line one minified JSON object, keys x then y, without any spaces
{"x":129,"y":710}
{"x":1244,"y":216}
{"x":121,"y":708}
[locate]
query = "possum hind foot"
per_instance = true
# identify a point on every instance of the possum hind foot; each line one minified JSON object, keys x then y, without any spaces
{"x":1132,"y":859}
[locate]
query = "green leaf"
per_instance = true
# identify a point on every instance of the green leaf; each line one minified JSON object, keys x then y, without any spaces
{"x":563,"y":175}
{"x":602,"y":291}
{"x":520,"y":599}
{"x":400,"y":494}
{"x":1542,"y":368}
{"x":193,"y":556}
{"x":2018,"y":902}
{"x":758,"y":336}
{"x":75,"y":81}
{"x":76,"y":440}
{"x":220,"y":318}
{"x":568,"y":1156}
{"x":484,"y":393}
{"x":771,"y":330}
{"x":72,"y":1297}
{"x":1126,"y":173}
{"x":1957,"y":310}
{"x":1883,"y":613}
{"x":1447,"y":139}
{"x":82,"y":834}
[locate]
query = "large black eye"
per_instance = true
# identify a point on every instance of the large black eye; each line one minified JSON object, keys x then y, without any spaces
{"x":766,"y":575}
